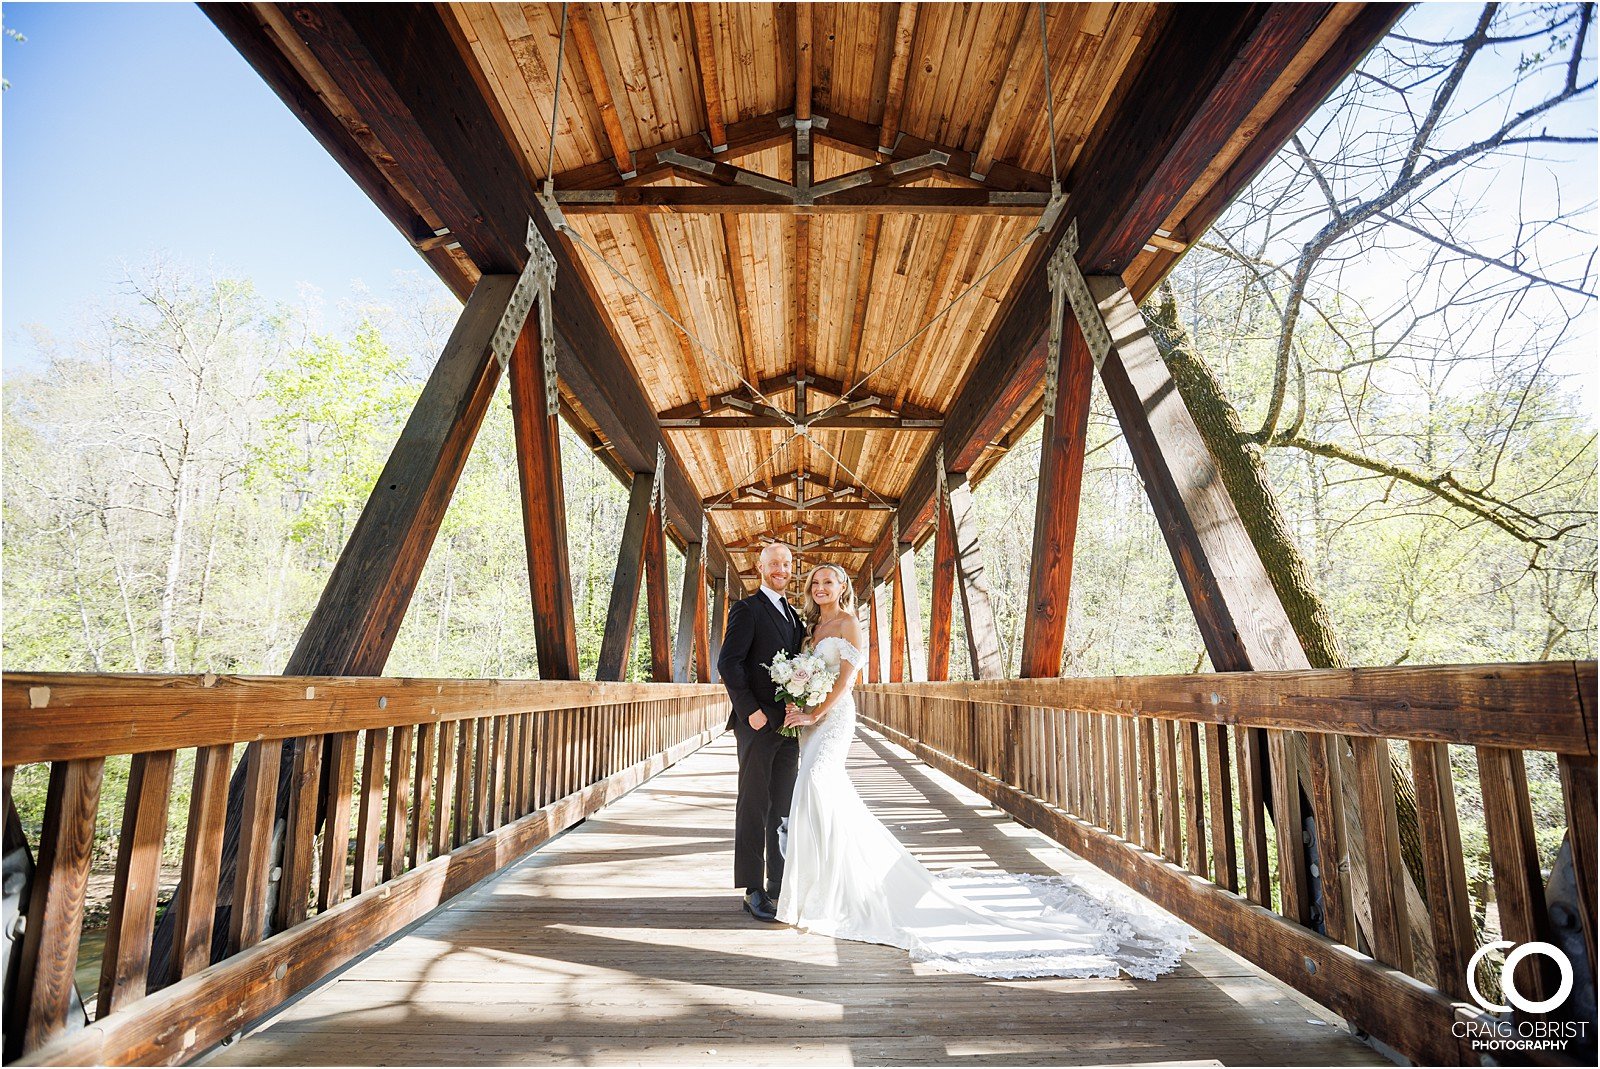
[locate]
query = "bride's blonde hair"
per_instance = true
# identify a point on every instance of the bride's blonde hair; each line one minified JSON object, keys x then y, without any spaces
{"x":847,"y":597}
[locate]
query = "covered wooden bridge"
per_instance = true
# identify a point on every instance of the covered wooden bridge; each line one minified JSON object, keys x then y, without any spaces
{"x":795,"y":272}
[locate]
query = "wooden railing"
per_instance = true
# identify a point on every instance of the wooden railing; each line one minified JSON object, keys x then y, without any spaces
{"x":458,"y":779}
{"x":1171,"y":784}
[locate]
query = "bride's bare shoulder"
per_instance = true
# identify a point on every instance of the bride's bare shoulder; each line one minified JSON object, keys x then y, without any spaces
{"x":850,"y":631}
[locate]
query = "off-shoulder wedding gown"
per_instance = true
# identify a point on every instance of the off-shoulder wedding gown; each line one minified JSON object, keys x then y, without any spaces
{"x":847,"y":876}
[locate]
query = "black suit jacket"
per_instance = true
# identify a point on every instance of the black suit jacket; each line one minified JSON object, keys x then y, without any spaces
{"x":756,"y":631}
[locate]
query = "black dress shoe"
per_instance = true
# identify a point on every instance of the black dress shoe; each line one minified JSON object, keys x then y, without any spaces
{"x":759,"y":906}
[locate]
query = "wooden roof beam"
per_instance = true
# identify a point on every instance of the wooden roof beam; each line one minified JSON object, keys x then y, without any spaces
{"x":860,"y":139}
{"x":773,"y":200}
{"x":783,"y":422}
{"x":894,"y":99}
{"x":710,"y":86}
{"x":742,"y":138}
{"x":825,"y":503}
{"x":600,"y":85}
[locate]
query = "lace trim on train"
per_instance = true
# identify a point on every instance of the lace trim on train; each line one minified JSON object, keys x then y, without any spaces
{"x":1137,"y":939}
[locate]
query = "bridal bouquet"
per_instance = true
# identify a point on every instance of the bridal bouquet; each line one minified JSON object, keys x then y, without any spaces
{"x":803,"y":678}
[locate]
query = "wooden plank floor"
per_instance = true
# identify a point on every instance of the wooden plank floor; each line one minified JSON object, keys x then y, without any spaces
{"x":622,"y":943}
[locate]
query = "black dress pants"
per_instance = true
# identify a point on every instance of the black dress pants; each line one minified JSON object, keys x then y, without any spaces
{"x":768,"y":762}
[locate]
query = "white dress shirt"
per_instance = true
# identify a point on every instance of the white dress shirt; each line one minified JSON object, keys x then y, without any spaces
{"x":778,"y":600}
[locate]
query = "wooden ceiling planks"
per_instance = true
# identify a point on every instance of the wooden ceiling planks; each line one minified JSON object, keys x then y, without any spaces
{"x":833,"y":295}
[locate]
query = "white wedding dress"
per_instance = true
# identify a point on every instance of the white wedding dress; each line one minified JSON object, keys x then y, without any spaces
{"x":846,"y":876}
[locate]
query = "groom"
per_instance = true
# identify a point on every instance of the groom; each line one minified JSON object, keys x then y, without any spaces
{"x":758,"y":627}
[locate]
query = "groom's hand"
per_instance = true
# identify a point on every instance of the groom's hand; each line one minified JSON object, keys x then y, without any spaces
{"x":758,"y":719}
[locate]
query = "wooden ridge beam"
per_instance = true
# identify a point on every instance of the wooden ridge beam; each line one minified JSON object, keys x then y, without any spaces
{"x":1202,"y":70}
{"x":400,"y":66}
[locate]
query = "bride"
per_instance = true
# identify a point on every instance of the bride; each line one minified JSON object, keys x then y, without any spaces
{"x":849,"y":878}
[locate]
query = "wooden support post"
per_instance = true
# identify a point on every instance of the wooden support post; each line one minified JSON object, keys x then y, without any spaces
{"x":702,"y":621}
{"x":897,"y":619}
{"x":658,"y":605}
{"x":1055,"y":521}
{"x":544,"y":509}
{"x":623,"y":610}
{"x":719,"y":619}
{"x":944,"y":580}
{"x":908,"y":610}
{"x":690,"y":613}
{"x":983,"y":641}
{"x":880,"y":633}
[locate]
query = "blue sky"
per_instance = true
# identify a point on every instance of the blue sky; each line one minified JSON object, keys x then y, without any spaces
{"x":135,"y":129}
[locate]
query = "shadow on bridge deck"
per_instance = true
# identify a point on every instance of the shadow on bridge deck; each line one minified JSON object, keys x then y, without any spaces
{"x":621,"y":942}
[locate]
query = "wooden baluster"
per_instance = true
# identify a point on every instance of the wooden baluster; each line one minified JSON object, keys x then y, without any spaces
{"x":1514,"y":855}
{"x":1293,"y":884}
{"x":1327,"y":810}
{"x":482,"y":757}
{"x":1194,"y":801}
{"x":1171,"y":815}
{"x":517,"y":802}
{"x":444,"y":789}
{"x":1111,"y":728}
{"x":247,"y":920}
{"x":1149,"y":786}
{"x":336,"y":832}
{"x":417,"y":842}
{"x":369,"y":811}
{"x":1449,"y":907}
{"x":394,"y":834}
{"x":125,"y":966}
{"x":1380,"y":830}
{"x":500,"y":729}
{"x":202,"y":859}
{"x":55,"y":904}
{"x":300,"y":835}
{"x":1578,"y":792}
{"x":465,"y":733}
{"x":1252,"y":814}
{"x":1130,"y":777}
{"x":1225,"y":867}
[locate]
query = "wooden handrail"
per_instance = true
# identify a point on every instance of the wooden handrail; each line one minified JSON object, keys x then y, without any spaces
{"x":458,"y":779}
{"x":1149,"y":777}
{"x":61,"y":716}
{"x":1546,"y":705}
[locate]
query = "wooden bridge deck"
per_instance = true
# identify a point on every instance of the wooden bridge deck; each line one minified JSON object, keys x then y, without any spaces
{"x":621,"y":943}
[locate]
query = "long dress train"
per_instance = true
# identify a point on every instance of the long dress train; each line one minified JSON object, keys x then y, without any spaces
{"x":847,"y":876}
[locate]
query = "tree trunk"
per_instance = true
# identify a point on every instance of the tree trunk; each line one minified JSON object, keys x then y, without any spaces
{"x":1243,"y":468}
